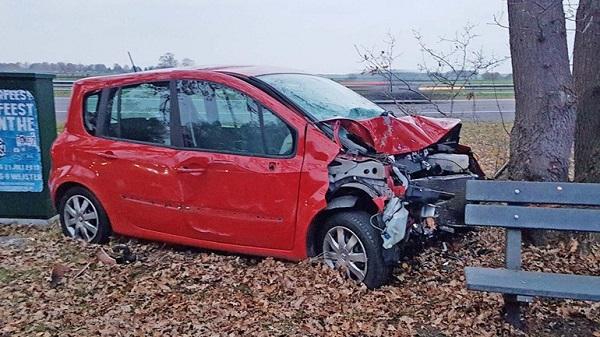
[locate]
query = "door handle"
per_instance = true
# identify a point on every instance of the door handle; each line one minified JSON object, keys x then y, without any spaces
{"x":107,"y":155}
{"x":221,"y":162}
{"x":190,"y":170}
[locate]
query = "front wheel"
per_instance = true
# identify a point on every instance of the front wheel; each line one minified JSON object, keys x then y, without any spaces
{"x":349,"y":242}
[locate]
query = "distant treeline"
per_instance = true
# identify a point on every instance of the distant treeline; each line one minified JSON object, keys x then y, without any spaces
{"x":65,"y":69}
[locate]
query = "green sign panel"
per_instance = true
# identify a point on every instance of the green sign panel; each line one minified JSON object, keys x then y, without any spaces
{"x":27,"y":130}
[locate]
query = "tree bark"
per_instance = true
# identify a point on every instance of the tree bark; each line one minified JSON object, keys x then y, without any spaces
{"x":542,"y":135}
{"x":586,"y":75}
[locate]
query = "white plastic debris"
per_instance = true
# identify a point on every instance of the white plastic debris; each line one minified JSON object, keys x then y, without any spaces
{"x":395,"y":216}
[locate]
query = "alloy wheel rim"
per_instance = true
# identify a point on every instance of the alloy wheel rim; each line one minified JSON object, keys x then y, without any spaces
{"x":343,"y":249}
{"x":81,"y":218}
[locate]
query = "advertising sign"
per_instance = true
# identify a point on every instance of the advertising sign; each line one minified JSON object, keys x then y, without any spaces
{"x":20,"y":157}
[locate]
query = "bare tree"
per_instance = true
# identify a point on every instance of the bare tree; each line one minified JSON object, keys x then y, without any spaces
{"x":541,"y":139}
{"x":187,"y":62}
{"x":454,"y":69}
{"x":455,"y":62}
{"x":167,"y":60}
{"x":381,"y":62}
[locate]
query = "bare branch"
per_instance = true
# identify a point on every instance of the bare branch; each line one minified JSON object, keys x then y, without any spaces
{"x":382,"y":63}
{"x":456,"y":67}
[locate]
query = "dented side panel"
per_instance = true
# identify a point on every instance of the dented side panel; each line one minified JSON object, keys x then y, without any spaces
{"x":314,"y":183}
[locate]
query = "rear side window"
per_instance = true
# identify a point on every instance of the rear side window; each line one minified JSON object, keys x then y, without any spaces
{"x":90,"y":112}
{"x":141,"y":113}
{"x":218,"y":118}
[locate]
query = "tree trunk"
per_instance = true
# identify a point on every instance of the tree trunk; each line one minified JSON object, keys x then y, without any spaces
{"x":542,"y":136}
{"x":586,"y":75}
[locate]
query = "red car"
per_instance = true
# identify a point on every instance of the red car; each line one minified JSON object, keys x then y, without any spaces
{"x":255,"y":161}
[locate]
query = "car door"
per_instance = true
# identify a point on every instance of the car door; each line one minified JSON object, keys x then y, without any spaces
{"x":135,"y":157}
{"x":240,"y":171}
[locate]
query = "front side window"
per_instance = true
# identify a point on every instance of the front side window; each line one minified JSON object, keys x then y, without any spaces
{"x":140,"y":112}
{"x":218,"y":118}
{"x":321,"y":97}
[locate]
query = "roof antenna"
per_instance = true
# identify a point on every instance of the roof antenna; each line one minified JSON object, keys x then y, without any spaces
{"x":135,"y":69}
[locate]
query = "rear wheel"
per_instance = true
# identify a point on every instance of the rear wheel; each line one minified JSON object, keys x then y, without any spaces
{"x":83,"y":217}
{"x":350,"y":243}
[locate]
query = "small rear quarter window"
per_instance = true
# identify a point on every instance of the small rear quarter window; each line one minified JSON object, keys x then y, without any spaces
{"x":90,"y":112}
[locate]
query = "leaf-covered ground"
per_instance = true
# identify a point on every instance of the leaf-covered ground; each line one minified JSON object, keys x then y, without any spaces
{"x":180,"y":291}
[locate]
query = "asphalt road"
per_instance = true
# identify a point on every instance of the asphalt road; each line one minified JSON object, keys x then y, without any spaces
{"x":485,"y":110}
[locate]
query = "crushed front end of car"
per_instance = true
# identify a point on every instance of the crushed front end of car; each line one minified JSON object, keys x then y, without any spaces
{"x":413,"y":168}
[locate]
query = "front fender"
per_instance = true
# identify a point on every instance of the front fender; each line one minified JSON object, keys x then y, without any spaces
{"x":343,"y":201}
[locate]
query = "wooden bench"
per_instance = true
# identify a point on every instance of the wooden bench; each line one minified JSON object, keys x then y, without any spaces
{"x":508,"y":204}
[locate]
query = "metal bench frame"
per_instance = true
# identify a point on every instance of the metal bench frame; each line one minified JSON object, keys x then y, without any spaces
{"x":513,"y":212}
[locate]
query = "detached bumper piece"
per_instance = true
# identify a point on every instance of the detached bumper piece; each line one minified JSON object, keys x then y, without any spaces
{"x":452,"y":211}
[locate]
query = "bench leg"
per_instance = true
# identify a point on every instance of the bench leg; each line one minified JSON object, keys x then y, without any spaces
{"x":512,"y":311}
{"x":512,"y":307}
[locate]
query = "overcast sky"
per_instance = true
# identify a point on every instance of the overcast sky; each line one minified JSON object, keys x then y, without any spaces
{"x":312,"y":35}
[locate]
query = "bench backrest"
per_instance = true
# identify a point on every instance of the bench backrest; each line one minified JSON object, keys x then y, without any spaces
{"x":519,"y":214}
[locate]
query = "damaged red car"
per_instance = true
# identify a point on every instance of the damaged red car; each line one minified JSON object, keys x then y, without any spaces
{"x":256,"y":161}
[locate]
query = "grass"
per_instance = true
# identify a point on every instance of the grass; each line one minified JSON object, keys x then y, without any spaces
{"x":5,"y":275}
{"x":62,"y":93}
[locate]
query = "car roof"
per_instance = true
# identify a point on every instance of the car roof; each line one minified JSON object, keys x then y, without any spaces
{"x":240,"y":70}
{"x":252,"y":70}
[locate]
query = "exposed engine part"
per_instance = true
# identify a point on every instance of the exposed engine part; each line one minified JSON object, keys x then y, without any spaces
{"x":429,"y":224}
{"x":424,"y":163}
{"x":425,"y":228}
{"x":449,"y":162}
{"x":343,"y":168}
{"x":428,"y":211}
{"x":395,"y":217}
{"x":412,"y":163}
{"x":401,"y":177}
{"x":368,"y":175}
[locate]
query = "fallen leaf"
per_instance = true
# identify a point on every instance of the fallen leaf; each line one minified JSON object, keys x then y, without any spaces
{"x":58,"y":273}
{"x":105,"y":258}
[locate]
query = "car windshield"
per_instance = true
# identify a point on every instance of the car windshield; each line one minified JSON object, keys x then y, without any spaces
{"x":321,"y":97}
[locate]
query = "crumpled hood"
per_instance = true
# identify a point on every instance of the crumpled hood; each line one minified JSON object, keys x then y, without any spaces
{"x":398,"y":135}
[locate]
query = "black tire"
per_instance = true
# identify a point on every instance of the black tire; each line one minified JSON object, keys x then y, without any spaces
{"x":358,"y":222}
{"x":103,"y":224}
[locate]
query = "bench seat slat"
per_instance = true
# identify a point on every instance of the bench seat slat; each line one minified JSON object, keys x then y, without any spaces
{"x":518,"y":282}
{"x":534,"y":192}
{"x":561,"y":219}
